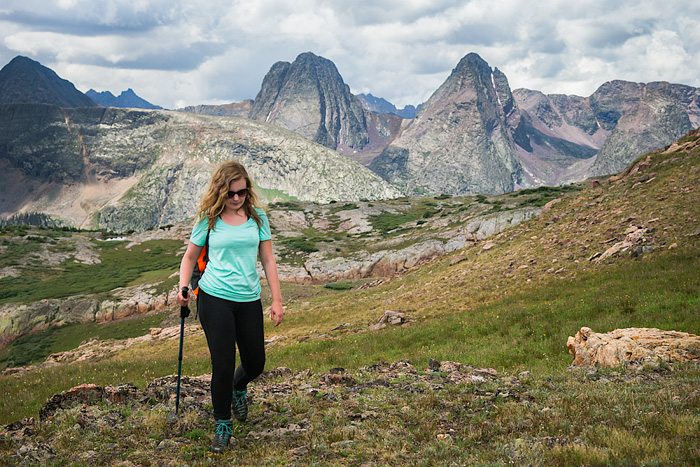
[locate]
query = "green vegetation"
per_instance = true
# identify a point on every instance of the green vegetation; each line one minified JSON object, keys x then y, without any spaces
{"x":390,"y":222}
{"x":299,"y":244}
{"x":542,"y":195}
{"x":510,"y":307}
{"x":119,"y":267}
{"x":34,"y":348}
{"x":288,"y":205}
{"x":340,"y":285}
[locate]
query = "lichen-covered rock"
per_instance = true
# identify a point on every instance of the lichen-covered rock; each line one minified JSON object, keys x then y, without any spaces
{"x":632,"y":346}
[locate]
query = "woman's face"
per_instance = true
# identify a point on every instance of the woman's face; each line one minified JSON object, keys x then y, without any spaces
{"x":237,"y":199}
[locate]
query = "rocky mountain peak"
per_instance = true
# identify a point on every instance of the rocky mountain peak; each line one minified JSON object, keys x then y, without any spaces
{"x":26,"y":81}
{"x":310,"y":97}
{"x":458,"y":142}
{"x":127,"y":99}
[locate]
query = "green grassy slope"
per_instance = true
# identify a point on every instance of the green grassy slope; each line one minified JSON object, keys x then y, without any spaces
{"x":508,"y":303}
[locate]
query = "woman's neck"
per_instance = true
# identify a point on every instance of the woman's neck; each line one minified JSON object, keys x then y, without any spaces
{"x":234,"y":216}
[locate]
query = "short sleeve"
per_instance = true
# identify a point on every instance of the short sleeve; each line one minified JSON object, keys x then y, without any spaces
{"x":264,"y":230}
{"x":199,"y":232}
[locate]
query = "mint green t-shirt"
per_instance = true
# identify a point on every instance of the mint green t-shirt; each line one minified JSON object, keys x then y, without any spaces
{"x":231,"y":273}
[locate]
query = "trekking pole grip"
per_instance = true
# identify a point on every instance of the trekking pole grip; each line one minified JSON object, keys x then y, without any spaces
{"x":184,"y":310}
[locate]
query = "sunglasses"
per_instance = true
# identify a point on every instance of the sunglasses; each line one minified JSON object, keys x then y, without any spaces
{"x":240,"y":193}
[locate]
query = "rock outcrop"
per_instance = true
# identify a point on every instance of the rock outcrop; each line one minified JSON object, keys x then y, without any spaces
{"x":21,"y":319}
{"x":632,"y":346}
{"x":234,"y":109}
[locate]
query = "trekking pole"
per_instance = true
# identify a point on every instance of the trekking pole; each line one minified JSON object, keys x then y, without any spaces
{"x":184,"y":313}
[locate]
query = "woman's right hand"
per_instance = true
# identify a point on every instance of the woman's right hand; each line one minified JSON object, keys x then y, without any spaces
{"x":182,"y":301}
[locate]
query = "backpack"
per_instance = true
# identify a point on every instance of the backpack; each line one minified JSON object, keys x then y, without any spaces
{"x":199,"y":266}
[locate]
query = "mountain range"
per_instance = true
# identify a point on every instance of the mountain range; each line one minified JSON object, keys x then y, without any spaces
{"x":127,"y":99}
{"x":473,"y":135}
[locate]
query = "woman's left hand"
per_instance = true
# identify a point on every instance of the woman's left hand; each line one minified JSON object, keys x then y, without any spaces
{"x":277,"y":313}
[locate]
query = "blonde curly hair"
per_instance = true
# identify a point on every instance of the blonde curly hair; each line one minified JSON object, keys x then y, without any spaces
{"x":214,"y":199}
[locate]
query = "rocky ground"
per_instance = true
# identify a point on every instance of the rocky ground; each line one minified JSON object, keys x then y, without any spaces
{"x":383,"y":414}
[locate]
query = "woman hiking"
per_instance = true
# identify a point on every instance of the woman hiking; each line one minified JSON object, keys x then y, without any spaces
{"x":228,"y":301}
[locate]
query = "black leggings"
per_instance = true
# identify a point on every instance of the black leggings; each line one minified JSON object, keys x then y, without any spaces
{"x":226,"y":324}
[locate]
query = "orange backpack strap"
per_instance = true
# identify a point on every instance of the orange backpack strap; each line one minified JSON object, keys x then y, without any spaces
{"x":200,"y":266}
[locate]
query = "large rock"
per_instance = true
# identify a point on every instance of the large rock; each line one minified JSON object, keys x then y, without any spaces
{"x":632,"y":346}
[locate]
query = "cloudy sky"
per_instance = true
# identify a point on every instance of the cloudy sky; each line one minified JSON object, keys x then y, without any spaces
{"x":185,"y":52}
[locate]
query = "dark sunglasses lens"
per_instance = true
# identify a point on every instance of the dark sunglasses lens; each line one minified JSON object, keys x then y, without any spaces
{"x":240,"y":193}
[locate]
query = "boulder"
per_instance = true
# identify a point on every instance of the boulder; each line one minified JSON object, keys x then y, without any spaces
{"x":632,"y":346}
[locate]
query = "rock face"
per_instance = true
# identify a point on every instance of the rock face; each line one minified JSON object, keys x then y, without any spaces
{"x":459,"y":142}
{"x":382,"y":106}
{"x":24,"y":80}
{"x":133,"y":169}
{"x":18,"y":320}
{"x":634,"y":346}
{"x":654,"y":122}
{"x":559,"y":135}
{"x":309,"y":97}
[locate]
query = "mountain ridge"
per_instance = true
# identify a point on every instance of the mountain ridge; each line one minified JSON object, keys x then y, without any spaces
{"x":24,"y":80}
{"x":382,"y":106}
{"x":127,"y":99}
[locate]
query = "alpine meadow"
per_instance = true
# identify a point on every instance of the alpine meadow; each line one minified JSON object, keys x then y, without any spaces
{"x":505,"y":278}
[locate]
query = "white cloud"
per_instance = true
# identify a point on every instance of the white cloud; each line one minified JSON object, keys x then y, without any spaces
{"x":178,"y":52}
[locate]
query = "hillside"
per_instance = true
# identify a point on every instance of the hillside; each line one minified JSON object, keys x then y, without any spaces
{"x":315,"y":244}
{"x":127,"y":169}
{"x":493,"y":316}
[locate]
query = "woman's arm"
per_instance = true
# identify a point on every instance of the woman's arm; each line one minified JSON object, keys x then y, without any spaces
{"x":267,"y":258}
{"x":189,"y":259}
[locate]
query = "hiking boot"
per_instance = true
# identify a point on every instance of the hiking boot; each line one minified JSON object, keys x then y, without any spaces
{"x":222,"y":435}
{"x":239,"y":406}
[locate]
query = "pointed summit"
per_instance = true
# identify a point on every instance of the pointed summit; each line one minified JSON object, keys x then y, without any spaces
{"x":459,"y":142}
{"x":310,"y":97}
{"x":127,"y":99}
{"x":26,"y":81}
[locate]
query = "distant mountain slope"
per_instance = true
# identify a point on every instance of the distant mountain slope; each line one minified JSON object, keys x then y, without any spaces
{"x":234,"y":109}
{"x":133,"y":169}
{"x":620,"y":121}
{"x":127,"y":99}
{"x":24,"y":80}
{"x":380,"y":105}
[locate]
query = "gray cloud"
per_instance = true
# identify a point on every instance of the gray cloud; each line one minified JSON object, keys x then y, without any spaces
{"x":179,"y":52}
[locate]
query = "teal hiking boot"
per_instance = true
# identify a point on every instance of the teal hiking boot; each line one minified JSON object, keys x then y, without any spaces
{"x":239,"y":405}
{"x":222,"y":435}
